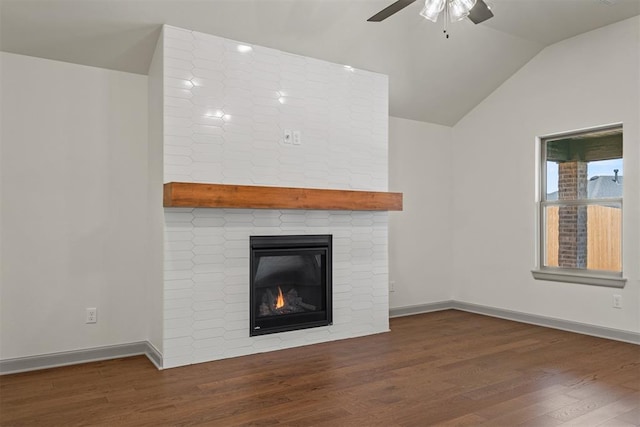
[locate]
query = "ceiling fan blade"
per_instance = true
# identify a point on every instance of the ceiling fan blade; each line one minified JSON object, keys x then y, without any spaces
{"x":480,"y":12}
{"x":390,"y":10}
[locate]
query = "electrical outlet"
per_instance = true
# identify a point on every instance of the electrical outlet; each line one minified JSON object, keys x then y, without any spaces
{"x":297,"y":137}
{"x":392,"y":286}
{"x":92,"y":315}
{"x":617,"y":301}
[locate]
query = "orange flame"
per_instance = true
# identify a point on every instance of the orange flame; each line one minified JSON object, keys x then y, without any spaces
{"x":280,"y":300}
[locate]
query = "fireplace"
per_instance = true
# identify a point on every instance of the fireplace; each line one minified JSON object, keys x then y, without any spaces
{"x":290,"y":283}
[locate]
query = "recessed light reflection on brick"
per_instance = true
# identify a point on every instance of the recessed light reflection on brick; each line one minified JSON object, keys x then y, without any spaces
{"x":215,"y":113}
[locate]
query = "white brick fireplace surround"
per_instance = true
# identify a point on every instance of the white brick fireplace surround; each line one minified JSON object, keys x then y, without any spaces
{"x":226,"y":107}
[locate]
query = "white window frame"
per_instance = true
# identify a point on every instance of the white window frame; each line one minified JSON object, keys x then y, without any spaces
{"x":564,"y":274}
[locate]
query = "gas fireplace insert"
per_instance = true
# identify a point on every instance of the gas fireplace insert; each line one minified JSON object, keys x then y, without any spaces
{"x":290,"y":283}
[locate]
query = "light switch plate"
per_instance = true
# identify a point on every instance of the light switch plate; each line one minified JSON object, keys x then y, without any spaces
{"x":287,"y":137}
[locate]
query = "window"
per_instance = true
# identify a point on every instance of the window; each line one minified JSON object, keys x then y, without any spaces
{"x":580,"y":208}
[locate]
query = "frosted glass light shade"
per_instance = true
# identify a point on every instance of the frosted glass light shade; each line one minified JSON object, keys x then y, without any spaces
{"x":459,"y":9}
{"x":432,"y":9}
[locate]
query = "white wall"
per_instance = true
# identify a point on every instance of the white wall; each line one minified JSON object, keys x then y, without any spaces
{"x":420,"y":236}
{"x":74,"y":206}
{"x":585,"y":81}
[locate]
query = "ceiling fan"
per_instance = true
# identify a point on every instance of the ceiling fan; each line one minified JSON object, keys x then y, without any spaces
{"x":480,"y":12}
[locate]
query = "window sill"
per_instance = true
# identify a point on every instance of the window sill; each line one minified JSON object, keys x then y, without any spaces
{"x":583,"y":279}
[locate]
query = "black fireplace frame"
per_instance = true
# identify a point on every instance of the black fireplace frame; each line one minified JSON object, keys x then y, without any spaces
{"x":260,"y":245}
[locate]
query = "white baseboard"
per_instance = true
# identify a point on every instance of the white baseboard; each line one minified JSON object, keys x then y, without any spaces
{"x":550,"y":322}
{"x":31,"y":363}
{"x":53,"y":360}
{"x":534,"y":319}
{"x":419,"y":309}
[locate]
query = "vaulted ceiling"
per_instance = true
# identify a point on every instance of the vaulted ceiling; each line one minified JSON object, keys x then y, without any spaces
{"x":432,"y":78}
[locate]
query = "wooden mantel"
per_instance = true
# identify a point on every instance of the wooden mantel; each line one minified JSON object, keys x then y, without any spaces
{"x":191,"y":195}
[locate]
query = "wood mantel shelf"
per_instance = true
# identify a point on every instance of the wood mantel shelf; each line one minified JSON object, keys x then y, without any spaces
{"x":191,"y":195}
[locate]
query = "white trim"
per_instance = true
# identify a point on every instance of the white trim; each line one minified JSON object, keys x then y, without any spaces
{"x":154,"y":355}
{"x":32,"y":363}
{"x":54,"y":360}
{"x":550,"y":322}
{"x":534,"y":319}
{"x":419,"y":309}
{"x":583,"y":279}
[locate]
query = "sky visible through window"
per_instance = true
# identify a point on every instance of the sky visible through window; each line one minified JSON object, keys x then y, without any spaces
{"x":598,"y":168}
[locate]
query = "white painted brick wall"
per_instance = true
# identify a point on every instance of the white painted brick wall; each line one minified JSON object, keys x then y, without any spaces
{"x":207,"y":279}
{"x":225,"y":113}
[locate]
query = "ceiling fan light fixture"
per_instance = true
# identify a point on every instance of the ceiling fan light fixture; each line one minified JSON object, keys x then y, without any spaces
{"x":459,"y":9}
{"x":432,"y":9}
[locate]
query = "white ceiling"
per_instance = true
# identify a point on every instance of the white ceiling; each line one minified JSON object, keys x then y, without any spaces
{"x":432,"y":78}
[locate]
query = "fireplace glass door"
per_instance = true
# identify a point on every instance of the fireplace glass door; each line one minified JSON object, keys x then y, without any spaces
{"x":290,"y":283}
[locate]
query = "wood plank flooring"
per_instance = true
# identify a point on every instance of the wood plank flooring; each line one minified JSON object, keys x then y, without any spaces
{"x":445,"y":368}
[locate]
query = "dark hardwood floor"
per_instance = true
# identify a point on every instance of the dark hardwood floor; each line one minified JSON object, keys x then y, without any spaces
{"x":444,"y":368}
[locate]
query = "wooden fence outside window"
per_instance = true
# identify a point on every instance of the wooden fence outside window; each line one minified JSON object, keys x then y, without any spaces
{"x":603,"y":237}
